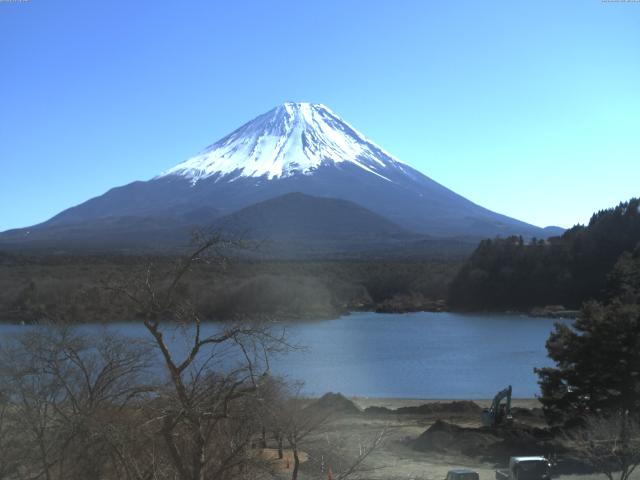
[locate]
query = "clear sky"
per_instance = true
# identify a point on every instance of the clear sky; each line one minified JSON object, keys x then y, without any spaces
{"x":529,"y":108}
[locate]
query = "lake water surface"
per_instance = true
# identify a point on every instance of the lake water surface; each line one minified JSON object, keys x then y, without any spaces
{"x":414,"y":355}
{"x":423,"y":355}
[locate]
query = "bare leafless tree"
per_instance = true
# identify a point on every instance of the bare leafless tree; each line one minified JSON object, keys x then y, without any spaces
{"x":298,"y":423}
{"x":303,"y":425}
{"x":62,"y":388}
{"x":345,"y":456}
{"x":206,"y":411}
{"x":609,"y":444}
{"x":9,"y":448}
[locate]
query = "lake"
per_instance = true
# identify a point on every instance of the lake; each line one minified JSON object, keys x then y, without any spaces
{"x":423,"y":355}
{"x":412,"y":355}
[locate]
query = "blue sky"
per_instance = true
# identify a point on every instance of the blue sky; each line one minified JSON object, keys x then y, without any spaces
{"x":531,"y":109}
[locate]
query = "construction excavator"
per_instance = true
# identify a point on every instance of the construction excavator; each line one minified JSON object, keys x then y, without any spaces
{"x":499,"y":412}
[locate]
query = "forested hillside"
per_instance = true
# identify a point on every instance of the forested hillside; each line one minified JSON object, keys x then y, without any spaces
{"x":75,"y":287}
{"x":509,"y":273}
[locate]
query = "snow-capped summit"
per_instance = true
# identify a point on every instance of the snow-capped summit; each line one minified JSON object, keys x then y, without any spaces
{"x":293,"y":138}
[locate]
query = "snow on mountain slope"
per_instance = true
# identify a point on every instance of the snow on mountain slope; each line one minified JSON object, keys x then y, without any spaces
{"x":292,"y":138}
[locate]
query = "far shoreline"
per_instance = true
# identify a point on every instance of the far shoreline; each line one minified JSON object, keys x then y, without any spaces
{"x":398,"y":402}
{"x":290,"y":319}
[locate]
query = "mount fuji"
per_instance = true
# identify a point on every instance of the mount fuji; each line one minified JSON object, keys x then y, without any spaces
{"x":294,"y":148}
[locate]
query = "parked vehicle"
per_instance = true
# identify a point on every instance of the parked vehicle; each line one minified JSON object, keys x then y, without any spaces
{"x":462,"y":474}
{"x":526,"y":468}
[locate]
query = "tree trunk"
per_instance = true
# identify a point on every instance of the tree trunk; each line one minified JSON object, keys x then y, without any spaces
{"x":280,"y":447}
{"x":199,"y":455}
{"x":296,"y":464}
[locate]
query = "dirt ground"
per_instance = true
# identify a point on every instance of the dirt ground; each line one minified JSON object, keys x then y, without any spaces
{"x":397,"y":459}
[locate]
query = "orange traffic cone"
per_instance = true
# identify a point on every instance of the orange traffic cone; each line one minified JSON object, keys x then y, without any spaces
{"x":330,"y":476}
